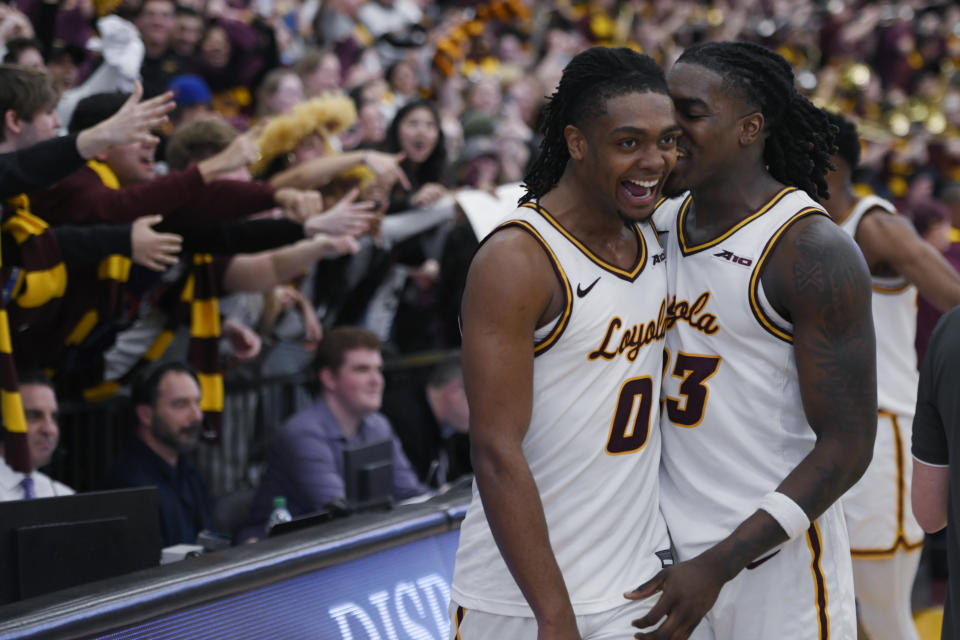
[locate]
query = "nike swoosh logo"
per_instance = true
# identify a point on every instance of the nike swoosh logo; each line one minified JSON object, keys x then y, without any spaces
{"x":583,"y":292}
{"x":757,"y":563}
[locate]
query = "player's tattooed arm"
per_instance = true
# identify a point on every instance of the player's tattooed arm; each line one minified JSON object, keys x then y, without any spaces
{"x":817,"y":278}
{"x":827,"y":295}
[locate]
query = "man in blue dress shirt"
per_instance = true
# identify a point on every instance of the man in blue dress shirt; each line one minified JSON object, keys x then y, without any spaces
{"x":306,"y":456}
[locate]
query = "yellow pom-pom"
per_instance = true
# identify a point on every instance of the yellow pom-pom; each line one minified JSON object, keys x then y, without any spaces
{"x":328,"y":115}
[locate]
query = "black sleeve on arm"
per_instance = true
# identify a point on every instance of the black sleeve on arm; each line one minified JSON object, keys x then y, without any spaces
{"x":241,"y":236}
{"x":938,"y":405}
{"x":79,"y":246}
{"x":38,"y":166}
{"x":87,"y":245}
{"x":46,"y":25}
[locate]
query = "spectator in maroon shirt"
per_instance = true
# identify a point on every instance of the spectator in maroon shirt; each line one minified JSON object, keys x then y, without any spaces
{"x":190,"y":195}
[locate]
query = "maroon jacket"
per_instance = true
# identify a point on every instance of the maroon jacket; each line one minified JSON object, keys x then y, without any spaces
{"x":180,"y":196}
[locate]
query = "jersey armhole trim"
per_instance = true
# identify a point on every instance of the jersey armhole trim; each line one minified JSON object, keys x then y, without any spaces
{"x":563,"y":319}
{"x":772,"y":324}
{"x":889,"y":288}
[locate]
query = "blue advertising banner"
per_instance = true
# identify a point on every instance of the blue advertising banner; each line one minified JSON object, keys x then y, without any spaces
{"x":395,"y":594}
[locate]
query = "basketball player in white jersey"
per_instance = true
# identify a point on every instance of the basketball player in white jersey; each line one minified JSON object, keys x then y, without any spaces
{"x":563,"y":322}
{"x":770,"y":382}
{"x":885,"y":538}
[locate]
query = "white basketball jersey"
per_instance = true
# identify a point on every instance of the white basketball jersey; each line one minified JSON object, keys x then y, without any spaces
{"x":895,"y":321}
{"x":732,"y":421}
{"x":593,"y":443}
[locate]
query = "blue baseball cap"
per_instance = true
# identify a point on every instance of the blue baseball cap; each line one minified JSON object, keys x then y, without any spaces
{"x":189,"y":90}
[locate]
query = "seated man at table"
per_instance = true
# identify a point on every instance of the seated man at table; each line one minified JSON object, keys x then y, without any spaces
{"x":431,"y":421}
{"x":306,"y":455}
{"x":169,"y":421}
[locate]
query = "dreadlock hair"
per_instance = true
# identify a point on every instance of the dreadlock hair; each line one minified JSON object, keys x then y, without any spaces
{"x":589,"y":80}
{"x":848,"y":140}
{"x":799,"y":137}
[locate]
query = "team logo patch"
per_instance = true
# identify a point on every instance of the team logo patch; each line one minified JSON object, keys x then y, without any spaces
{"x":730,"y":256}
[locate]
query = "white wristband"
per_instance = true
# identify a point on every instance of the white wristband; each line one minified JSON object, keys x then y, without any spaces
{"x":787,"y":513}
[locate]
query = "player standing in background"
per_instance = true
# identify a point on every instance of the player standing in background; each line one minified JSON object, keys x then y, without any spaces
{"x":563,"y":324}
{"x":770,"y":386}
{"x":885,"y":538}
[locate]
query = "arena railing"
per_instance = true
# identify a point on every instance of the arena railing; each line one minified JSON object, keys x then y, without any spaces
{"x":92,"y":434}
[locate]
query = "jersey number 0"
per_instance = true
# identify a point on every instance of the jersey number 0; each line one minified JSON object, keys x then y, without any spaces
{"x":630,"y":426}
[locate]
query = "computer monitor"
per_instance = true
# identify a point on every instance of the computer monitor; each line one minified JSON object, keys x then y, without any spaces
{"x":49,"y":544}
{"x":368,"y":475}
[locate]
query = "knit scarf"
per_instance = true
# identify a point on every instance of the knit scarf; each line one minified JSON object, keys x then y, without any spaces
{"x":198,"y":306}
{"x":33,"y":287}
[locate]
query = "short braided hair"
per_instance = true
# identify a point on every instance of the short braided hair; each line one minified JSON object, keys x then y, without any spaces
{"x":799,"y":137}
{"x":589,"y":80}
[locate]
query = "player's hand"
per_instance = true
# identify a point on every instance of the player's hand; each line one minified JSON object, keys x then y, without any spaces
{"x":688,"y":590}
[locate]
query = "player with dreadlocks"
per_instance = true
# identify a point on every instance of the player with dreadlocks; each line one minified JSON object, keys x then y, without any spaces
{"x":770,"y":396}
{"x":885,"y":538}
{"x":563,"y":323}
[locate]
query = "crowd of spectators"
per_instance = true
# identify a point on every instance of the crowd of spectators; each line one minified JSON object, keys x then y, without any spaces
{"x":294,"y":165}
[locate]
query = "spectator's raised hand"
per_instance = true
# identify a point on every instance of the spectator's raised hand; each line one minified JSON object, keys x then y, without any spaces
{"x":14,"y":24}
{"x":246,"y":343}
{"x":298,"y":204}
{"x":387,"y":166}
{"x":154,"y":250}
{"x":428,"y":194}
{"x":312,"y":329}
{"x":132,"y":123}
{"x":339,"y":245}
{"x":285,"y":297}
{"x":346,"y":218}
{"x":242,"y":152}
{"x":426,"y":275}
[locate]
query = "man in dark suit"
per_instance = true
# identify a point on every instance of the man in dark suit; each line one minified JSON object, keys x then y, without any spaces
{"x":431,"y":421}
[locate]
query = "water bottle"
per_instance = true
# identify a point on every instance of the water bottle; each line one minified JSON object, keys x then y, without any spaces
{"x":279,"y":514}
